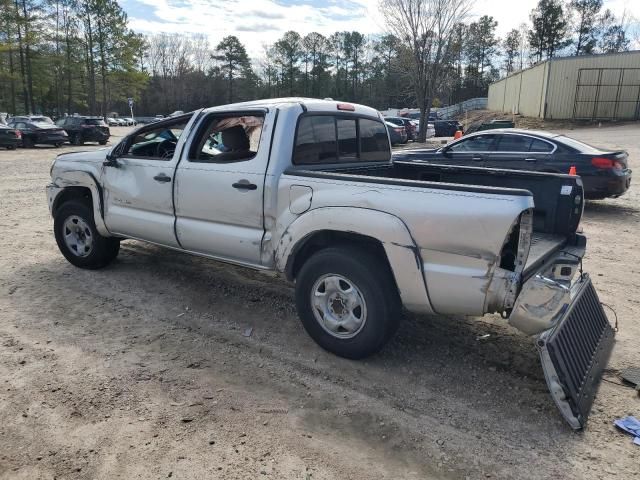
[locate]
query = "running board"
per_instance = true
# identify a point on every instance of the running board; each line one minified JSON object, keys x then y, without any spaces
{"x":575,"y":352}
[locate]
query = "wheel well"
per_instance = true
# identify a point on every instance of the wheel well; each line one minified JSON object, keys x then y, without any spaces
{"x":331,"y":238}
{"x":72,"y":193}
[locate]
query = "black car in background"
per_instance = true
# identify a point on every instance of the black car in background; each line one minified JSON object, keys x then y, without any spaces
{"x":447,"y":128}
{"x":10,"y":138}
{"x":605,"y":173}
{"x":39,"y":133}
{"x":397,"y":133}
{"x":407,"y":123}
{"x":31,"y":118}
{"x":85,"y":129}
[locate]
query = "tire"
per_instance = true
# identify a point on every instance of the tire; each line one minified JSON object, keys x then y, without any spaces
{"x":101,"y":250}
{"x":77,"y":139}
{"x":103,"y":142}
{"x":11,"y":147}
{"x":365,"y":294}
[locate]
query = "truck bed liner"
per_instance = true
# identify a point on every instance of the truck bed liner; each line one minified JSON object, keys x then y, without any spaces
{"x":542,"y":246}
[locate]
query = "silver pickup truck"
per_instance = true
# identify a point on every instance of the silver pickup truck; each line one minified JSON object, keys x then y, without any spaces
{"x":308,"y":188}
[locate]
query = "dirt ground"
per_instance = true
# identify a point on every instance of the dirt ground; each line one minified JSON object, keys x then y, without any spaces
{"x":165,"y":365}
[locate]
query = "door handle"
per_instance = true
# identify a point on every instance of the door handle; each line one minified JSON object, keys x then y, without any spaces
{"x":244,"y":185}
{"x":162,"y":178}
{"x":530,"y":159}
{"x":476,"y":159}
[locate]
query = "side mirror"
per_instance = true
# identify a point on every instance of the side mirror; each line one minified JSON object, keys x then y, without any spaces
{"x":111,"y":161}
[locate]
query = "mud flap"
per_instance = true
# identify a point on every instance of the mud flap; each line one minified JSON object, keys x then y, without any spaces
{"x":575,"y":352}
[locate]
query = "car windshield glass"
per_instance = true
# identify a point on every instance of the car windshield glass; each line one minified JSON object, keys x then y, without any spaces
{"x":581,"y":147}
{"x":42,"y":124}
{"x":41,"y":120}
{"x":94,"y":121}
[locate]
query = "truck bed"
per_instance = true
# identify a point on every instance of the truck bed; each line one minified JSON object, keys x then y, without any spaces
{"x":558,"y":198}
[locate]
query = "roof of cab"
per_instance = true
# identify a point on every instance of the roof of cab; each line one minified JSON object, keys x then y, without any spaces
{"x":310,"y":104}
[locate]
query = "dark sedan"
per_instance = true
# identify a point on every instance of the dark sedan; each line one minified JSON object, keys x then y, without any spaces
{"x":447,"y":128}
{"x":10,"y":138}
{"x":85,"y":129}
{"x":605,"y":173}
{"x":397,"y":134}
{"x":39,"y":133}
{"x":409,"y":126}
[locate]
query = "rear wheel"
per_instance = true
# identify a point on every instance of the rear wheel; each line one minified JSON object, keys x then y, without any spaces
{"x":79,"y":240}
{"x":77,"y":139}
{"x":347,"y":301}
{"x":102,"y":142}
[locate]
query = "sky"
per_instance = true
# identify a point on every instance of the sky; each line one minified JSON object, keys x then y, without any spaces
{"x":262,"y":22}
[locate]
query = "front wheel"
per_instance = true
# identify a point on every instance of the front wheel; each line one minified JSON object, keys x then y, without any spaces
{"x":79,"y":240}
{"x":347,"y":301}
{"x":102,"y":142}
{"x":77,"y":139}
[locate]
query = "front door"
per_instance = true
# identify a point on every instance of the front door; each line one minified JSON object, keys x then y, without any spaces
{"x":219,"y":186}
{"x":471,"y":151}
{"x":139,"y":187}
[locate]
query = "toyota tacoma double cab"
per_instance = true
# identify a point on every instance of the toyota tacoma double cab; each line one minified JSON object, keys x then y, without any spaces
{"x":309,"y":189}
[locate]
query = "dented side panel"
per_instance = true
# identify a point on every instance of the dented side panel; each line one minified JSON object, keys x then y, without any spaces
{"x":456,"y":237}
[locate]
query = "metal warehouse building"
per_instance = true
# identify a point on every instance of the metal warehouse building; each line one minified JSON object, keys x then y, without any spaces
{"x":587,"y":87}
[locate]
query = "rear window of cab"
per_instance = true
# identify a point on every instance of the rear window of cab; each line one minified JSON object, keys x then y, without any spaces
{"x":328,"y":139}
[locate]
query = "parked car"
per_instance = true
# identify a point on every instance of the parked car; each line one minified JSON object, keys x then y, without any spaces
{"x":31,"y":118}
{"x":112,"y":122}
{"x":447,"y":128}
{"x":605,"y":173}
{"x":358,"y":234}
{"x":10,"y":138}
{"x":130,"y":121}
{"x":431,"y":131}
{"x":39,"y":133}
{"x":86,"y":129}
{"x":397,"y":133}
{"x":409,"y":126}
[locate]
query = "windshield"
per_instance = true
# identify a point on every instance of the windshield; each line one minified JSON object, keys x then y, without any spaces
{"x":94,"y":121}
{"x":42,"y":119}
{"x":42,"y":125}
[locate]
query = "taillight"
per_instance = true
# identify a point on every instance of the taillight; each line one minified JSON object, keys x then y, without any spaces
{"x":601,"y":162}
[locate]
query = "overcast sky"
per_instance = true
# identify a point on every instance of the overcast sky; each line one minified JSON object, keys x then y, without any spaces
{"x":260,"y":22}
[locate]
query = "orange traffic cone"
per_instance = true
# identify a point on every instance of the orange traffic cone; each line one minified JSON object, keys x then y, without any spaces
{"x":457,"y":135}
{"x":572,"y":170}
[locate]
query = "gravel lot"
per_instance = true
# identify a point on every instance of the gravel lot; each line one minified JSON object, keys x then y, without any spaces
{"x":143,"y":369}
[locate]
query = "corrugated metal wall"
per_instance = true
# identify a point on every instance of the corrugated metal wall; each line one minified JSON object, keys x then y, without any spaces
{"x":527,"y":92}
{"x":563,"y":79}
{"x":521,"y":93}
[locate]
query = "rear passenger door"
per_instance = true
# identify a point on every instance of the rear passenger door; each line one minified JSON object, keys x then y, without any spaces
{"x":511,"y":152}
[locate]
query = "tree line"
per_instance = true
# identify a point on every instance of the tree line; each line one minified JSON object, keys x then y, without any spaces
{"x":79,"y":56}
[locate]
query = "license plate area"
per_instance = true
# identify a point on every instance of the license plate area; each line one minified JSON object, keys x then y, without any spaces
{"x":575,"y":352}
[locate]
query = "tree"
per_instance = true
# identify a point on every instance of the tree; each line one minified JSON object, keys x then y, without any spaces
{"x":511,"y":46}
{"x":613,"y":35}
{"x":586,"y":28}
{"x":426,"y":29}
{"x":549,"y":32}
{"x":234,"y":61}
{"x":288,"y":54}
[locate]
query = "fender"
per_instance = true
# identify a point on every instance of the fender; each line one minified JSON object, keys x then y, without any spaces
{"x":389,"y":230}
{"x":79,"y":178}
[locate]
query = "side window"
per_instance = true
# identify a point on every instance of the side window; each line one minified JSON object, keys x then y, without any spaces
{"x":540,"y":146}
{"x":315,"y":140}
{"x":224,"y":139}
{"x":158,"y":143}
{"x":374,"y":142}
{"x":513,"y":143}
{"x":332,"y":139}
{"x":479,"y":143}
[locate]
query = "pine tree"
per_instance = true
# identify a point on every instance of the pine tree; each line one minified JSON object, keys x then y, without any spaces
{"x":586,"y":28}
{"x":549,"y":32}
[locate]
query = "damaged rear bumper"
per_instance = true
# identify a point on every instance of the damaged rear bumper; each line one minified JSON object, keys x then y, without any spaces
{"x":575,"y":352}
{"x":575,"y":338}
